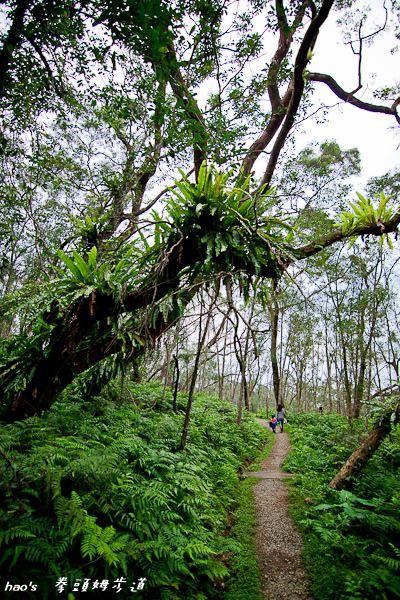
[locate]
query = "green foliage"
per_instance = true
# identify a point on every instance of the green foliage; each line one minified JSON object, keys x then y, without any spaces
{"x":389,"y":184}
{"x":365,"y":213}
{"x":256,"y":465}
{"x":244,"y":582}
{"x":352,"y":538}
{"x":93,"y":490}
{"x":236,"y":227}
{"x":228,"y":229}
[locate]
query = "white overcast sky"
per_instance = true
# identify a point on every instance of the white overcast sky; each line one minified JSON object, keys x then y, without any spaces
{"x":376,"y":135}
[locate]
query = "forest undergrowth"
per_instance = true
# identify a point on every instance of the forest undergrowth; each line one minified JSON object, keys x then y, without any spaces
{"x":97,"y":496}
{"x":352,"y":537}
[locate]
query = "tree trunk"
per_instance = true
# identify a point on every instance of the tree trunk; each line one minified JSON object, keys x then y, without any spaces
{"x":274,"y":312}
{"x":347,"y":387}
{"x":359,"y":391}
{"x":360,"y":457}
{"x":247,"y":392}
{"x":70,"y":350}
{"x":299,"y":386}
{"x":329,"y":382}
{"x":240,"y":402}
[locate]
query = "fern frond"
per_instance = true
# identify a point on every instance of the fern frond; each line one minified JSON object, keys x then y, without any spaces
{"x":15,"y":532}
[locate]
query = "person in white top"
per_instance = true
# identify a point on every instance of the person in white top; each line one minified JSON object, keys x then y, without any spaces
{"x":280,"y":416}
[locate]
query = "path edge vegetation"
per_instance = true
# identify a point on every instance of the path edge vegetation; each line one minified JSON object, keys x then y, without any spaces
{"x":351,"y":538}
{"x":245,"y":577}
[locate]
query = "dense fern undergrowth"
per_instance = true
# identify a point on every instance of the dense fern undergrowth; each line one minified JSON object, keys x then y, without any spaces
{"x":96,"y":496}
{"x":352,"y":538}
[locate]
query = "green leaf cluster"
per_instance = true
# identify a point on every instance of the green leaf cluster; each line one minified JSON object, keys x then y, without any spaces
{"x":366,"y":213}
{"x":95,"y":490}
{"x":237,"y":228}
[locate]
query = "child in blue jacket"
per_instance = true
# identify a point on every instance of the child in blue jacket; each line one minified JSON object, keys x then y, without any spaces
{"x":273,"y":423}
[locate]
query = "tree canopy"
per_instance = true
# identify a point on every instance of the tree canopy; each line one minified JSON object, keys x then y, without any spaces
{"x":145,"y":154}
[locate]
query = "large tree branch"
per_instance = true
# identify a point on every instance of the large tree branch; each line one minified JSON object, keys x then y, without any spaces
{"x":58,"y":85}
{"x":195,"y":116}
{"x":376,"y":229}
{"x":302,"y":58}
{"x":285,"y":40}
{"x":278,"y":105}
{"x":83,"y":335}
{"x":267,"y":135}
{"x":70,"y":349}
{"x":350,"y":99}
{"x":360,"y":457}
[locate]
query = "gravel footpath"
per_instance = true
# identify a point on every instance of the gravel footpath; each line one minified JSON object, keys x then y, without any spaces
{"x":283,"y":574}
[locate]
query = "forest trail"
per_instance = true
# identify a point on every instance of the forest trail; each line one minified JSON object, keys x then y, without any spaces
{"x":279,"y":544}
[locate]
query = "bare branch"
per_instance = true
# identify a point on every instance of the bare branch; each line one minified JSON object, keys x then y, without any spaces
{"x":58,"y":86}
{"x":349,"y":98}
{"x":160,"y":195}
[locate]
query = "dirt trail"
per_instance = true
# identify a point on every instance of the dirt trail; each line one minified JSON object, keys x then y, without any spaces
{"x":283,"y":574}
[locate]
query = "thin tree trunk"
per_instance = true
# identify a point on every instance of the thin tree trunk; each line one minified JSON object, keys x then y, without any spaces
{"x":234,"y":386}
{"x":203,"y":378}
{"x":338,"y":383}
{"x":363,"y":367}
{"x":240,"y":401}
{"x":329,"y":380}
{"x":221,"y":370}
{"x":299,"y":386}
{"x":193,"y":381}
{"x":243,"y":384}
{"x":166,"y":374}
{"x":176,"y":382}
{"x":247,"y":393}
